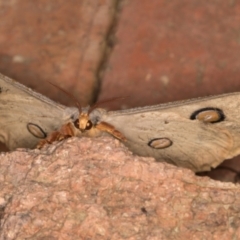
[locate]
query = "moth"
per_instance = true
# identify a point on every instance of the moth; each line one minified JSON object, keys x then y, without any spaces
{"x":197,"y":134}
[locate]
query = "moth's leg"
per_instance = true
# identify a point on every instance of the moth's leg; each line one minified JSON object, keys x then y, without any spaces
{"x":106,"y":127}
{"x":67,"y":130}
{"x":64,"y":132}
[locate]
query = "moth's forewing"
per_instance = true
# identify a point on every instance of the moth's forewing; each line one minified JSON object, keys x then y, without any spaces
{"x":20,"y":106}
{"x":194,"y":144}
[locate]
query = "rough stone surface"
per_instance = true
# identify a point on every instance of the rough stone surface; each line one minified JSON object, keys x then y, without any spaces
{"x":96,"y":189}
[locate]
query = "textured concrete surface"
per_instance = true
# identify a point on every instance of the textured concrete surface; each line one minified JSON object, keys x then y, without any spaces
{"x":96,"y":189}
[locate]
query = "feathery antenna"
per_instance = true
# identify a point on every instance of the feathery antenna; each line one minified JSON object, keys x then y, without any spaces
{"x":70,"y":95}
{"x":104,"y":101}
{"x":79,"y":105}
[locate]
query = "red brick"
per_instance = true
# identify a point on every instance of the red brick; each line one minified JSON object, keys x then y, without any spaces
{"x":58,"y":41}
{"x":171,"y":50}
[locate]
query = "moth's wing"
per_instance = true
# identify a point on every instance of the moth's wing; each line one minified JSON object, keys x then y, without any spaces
{"x":195,"y":144}
{"x":20,"y":106}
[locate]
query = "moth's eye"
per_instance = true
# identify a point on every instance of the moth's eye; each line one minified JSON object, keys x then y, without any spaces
{"x":76,"y":123}
{"x":208,"y":115}
{"x":160,"y":143}
{"x":89,"y":125}
{"x":36,"y":131}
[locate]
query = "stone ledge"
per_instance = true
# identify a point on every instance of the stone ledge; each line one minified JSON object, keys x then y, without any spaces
{"x":96,"y":189}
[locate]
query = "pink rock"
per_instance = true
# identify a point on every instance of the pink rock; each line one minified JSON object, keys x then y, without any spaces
{"x":96,"y":189}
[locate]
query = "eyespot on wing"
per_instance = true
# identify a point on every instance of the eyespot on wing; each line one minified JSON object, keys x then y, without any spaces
{"x":208,"y":115}
{"x":160,"y":143}
{"x":36,"y":130}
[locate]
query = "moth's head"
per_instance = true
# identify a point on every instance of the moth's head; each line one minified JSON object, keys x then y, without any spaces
{"x":90,"y":116}
{"x":83,"y":122}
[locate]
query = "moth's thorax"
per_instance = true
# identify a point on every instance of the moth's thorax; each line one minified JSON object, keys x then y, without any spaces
{"x":96,"y":115}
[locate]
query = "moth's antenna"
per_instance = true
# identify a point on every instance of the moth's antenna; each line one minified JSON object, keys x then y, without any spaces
{"x":79,"y":105}
{"x":104,"y":101}
{"x":70,"y":95}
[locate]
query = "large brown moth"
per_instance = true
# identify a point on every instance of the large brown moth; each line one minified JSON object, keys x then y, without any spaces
{"x":197,"y":134}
